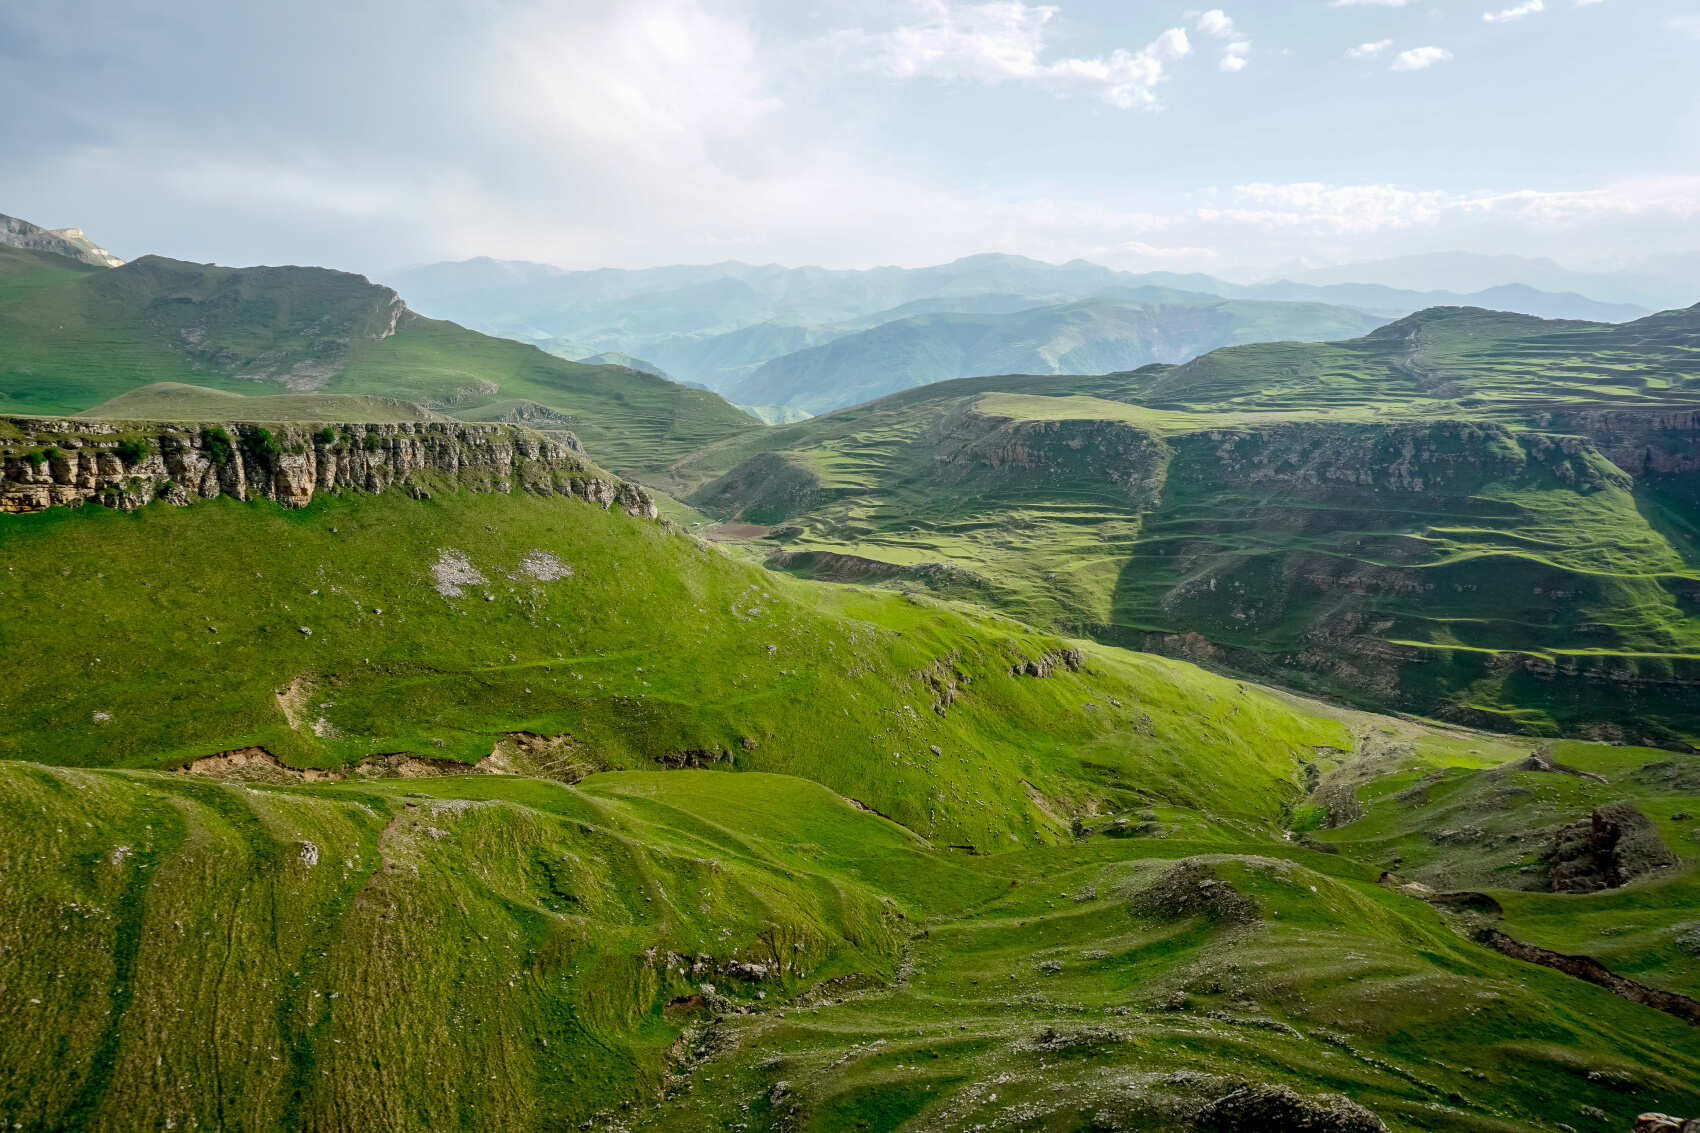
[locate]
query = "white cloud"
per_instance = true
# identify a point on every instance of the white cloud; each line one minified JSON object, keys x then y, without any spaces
{"x":1370,"y":3}
{"x":1506,"y":15}
{"x":1003,"y":41}
{"x":1215,"y":22}
{"x":1372,"y":208}
{"x":1368,"y":50}
{"x":1419,"y":58}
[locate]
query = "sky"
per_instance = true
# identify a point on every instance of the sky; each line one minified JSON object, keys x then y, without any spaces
{"x":1242,"y":141}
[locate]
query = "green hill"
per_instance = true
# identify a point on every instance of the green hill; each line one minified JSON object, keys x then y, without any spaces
{"x":736,"y":848}
{"x":1480,"y":515}
{"x":73,"y":337}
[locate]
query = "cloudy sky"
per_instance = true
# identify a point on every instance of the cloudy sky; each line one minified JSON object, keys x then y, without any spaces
{"x":370,"y":134}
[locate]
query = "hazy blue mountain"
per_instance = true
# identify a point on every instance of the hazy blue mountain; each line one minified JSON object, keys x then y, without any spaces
{"x":1092,"y":336}
{"x":717,"y":324}
{"x":1656,"y":285}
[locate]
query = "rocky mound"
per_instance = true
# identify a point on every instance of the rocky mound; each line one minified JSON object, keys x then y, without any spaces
{"x":1190,"y":888}
{"x":1277,"y":1109}
{"x":1610,"y":848}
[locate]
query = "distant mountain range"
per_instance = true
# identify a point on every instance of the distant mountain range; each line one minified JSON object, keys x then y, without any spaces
{"x":817,"y":339}
{"x":1091,"y":336}
{"x":1660,"y":283}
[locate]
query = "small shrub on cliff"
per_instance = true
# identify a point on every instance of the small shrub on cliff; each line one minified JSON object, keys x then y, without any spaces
{"x":373,"y":441}
{"x":133,"y":449}
{"x":36,"y":458}
{"x":325,"y":437}
{"x":261,"y":447}
{"x":217,"y":443}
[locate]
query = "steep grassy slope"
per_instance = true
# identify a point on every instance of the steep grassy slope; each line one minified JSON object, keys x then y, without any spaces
{"x":1471,"y":513}
{"x":73,"y":337}
{"x":367,"y":625}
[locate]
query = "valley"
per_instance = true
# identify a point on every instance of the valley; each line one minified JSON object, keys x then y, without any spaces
{"x":411,"y":729}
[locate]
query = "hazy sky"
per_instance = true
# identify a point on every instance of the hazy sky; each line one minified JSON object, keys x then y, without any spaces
{"x":369,"y":135}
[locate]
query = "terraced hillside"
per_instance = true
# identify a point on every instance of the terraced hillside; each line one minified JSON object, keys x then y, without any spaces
{"x":557,"y":815}
{"x":74,"y":336}
{"x":1480,"y":515}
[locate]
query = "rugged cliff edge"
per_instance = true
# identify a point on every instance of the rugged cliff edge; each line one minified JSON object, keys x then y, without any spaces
{"x":46,"y":462}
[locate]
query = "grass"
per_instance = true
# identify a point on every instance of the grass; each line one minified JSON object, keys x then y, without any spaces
{"x":462,"y":953}
{"x":657,"y":648}
{"x":176,"y":401}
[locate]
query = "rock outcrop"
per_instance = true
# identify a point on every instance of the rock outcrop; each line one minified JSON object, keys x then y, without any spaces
{"x":68,"y":242}
{"x":1264,"y":1109}
{"x":65,"y":463}
{"x":1606,"y":850}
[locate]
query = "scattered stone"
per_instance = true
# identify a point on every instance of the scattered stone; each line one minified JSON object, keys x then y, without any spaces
{"x":545,"y":567}
{"x":305,"y":631}
{"x":453,"y":572}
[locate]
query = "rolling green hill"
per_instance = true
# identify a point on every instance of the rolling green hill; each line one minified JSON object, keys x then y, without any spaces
{"x":628,"y":831}
{"x":1480,"y":515}
{"x":73,"y":337}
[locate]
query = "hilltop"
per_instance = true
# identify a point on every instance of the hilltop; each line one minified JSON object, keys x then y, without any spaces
{"x":74,"y":337}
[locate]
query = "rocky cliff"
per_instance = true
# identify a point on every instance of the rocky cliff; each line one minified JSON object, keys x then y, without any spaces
{"x":50,"y":463}
{"x":69,"y":242}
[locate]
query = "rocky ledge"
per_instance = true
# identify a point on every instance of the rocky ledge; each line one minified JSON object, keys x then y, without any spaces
{"x":66,"y":463}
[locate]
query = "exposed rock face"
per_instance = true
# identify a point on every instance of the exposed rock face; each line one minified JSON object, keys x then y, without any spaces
{"x":1643,"y":443}
{"x":972,"y":445}
{"x":67,"y":463}
{"x":1610,"y":848}
{"x":1443,"y":457}
{"x":60,"y":241}
{"x":1047,"y":663}
{"x":1589,"y":969}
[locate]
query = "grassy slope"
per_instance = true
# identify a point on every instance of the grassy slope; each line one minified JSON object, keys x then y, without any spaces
{"x":73,"y":337}
{"x":633,"y":422}
{"x":463,"y":953}
{"x":656,"y":646}
{"x":176,"y":401}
